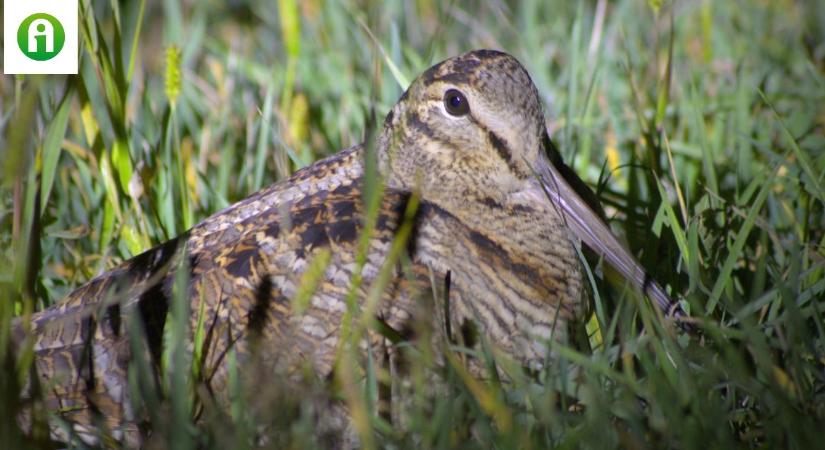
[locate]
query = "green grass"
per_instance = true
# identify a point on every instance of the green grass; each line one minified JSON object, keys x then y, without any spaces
{"x":700,"y":124}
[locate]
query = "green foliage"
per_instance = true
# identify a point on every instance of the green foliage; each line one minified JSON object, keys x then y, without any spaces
{"x":700,"y":124}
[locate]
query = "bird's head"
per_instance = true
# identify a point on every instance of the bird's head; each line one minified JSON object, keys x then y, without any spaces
{"x":470,"y":127}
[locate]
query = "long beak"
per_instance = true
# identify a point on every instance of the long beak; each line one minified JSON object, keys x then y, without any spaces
{"x":589,"y":227}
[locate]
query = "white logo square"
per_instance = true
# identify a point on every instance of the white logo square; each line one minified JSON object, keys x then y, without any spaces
{"x":40,"y":36}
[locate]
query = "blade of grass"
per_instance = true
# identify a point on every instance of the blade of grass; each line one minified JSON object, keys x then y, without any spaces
{"x":52,"y":148}
{"x":802,"y":157}
{"x":735,"y":253}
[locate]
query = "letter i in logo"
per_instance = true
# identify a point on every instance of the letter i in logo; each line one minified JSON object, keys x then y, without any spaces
{"x":41,"y":37}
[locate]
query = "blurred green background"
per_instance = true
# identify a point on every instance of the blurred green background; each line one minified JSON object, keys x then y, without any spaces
{"x":699,"y":123}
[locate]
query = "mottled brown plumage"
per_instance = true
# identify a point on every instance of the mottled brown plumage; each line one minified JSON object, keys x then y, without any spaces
{"x":468,"y":138}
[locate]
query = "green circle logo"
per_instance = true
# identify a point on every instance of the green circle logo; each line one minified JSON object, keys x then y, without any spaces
{"x":41,"y":37}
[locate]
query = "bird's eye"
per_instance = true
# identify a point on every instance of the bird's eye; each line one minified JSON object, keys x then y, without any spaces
{"x":456,"y":103}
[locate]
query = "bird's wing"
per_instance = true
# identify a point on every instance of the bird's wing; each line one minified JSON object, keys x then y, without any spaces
{"x":244,"y":266}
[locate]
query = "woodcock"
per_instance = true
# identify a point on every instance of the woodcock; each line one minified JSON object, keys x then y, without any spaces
{"x":496,"y":223}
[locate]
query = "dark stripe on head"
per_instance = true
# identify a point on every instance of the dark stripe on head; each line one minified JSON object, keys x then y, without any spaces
{"x":465,"y":65}
{"x":457,"y":78}
{"x":460,"y":71}
{"x":487,"y":54}
{"x":415,"y":122}
{"x":500,"y":147}
{"x":504,"y":151}
{"x":429,"y":75}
